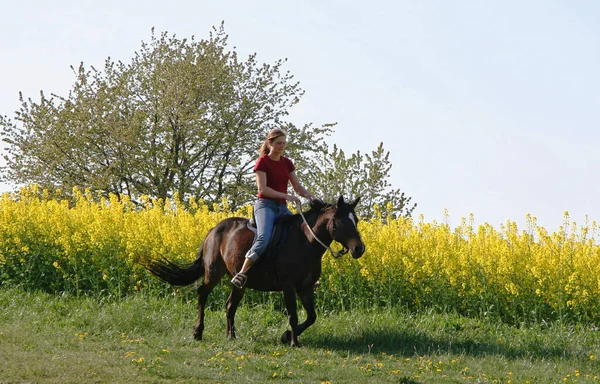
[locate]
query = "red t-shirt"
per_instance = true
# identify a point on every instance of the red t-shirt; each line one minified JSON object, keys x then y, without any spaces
{"x":278,"y":173}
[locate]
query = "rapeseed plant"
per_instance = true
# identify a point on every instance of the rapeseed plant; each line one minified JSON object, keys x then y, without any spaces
{"x":92,"y":244}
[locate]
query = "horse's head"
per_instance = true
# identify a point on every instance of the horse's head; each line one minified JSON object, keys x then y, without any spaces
{"x":344,"y":227}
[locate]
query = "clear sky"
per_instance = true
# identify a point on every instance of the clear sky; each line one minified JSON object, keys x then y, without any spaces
{"x":486,"y":107}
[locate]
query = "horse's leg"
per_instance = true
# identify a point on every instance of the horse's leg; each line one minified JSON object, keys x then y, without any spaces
{"x":307,"y":298}
{"x":291,"y":337}
{"x":232,"y":303}
{"x":212,"y":277}
{"x":203,"y":291}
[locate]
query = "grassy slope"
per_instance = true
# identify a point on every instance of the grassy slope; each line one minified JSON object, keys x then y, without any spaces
{"x":142,"y":339}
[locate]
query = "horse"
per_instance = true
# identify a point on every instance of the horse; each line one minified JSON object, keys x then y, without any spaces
{"x":294,"y":268}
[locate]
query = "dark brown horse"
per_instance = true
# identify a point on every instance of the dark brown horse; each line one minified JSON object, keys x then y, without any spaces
{"x":293,"y":269}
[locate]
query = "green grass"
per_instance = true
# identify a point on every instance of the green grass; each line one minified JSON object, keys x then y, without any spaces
{"x":147,"y":339}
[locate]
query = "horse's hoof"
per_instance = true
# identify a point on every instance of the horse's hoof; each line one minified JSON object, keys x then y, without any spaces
{"x":286,"y":337}
{"x":198,"y":335}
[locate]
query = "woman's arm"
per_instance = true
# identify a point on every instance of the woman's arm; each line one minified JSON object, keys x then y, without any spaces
{"x":298,"y":187}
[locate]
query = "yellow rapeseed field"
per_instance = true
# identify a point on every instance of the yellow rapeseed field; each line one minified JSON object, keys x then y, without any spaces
{"x":90,"y":245}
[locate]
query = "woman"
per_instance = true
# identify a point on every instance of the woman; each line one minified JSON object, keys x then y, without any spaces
{"x":273,"y":173}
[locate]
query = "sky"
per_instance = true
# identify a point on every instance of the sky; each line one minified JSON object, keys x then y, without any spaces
{"x":490,"y":108}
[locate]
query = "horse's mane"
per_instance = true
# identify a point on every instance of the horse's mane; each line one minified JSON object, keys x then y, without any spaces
{"x":316,"y":207}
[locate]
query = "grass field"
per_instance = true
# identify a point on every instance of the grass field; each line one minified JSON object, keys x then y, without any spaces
{"x":148,"y":339}
{"x":426,"y":304}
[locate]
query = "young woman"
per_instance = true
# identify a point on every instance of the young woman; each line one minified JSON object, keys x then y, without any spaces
{"x":273,"y":173}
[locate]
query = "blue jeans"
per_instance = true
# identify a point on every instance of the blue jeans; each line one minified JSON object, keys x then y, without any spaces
{"x":265,"y":213}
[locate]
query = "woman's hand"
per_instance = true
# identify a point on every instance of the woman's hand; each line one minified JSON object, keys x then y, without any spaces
{"x":293,"y":199}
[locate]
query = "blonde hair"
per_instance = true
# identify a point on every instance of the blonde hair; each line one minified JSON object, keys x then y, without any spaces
{"x":265,"y":148}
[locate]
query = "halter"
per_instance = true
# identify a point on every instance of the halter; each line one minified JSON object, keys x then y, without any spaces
{"x":333,"y":253}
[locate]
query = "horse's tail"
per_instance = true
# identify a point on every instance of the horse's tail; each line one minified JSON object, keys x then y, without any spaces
{"x":175,"y":274}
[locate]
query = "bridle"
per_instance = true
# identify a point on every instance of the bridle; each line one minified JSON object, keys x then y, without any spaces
{"x":333,"y":253}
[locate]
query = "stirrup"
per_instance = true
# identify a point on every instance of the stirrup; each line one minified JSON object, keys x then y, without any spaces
{"x":239,"y":280}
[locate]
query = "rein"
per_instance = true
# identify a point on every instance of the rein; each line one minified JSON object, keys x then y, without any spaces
{"x":333,"y":253}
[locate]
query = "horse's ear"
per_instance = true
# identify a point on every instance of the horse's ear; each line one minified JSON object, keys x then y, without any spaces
{"x":340,"y":202}
{"x":355,"y":202}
